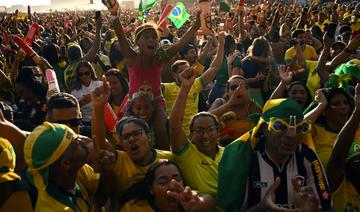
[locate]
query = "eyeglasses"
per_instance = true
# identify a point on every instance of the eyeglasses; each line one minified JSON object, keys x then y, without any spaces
{"x":135,"y":134}
{"x":70,"y":122}
{"x":200,"y":130}
{"x":280,"y":126}
{"x":87,"y":73}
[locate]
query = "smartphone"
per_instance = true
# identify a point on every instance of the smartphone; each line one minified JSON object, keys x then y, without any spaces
{"x":331,"y":28}
{"x":97,"y":15}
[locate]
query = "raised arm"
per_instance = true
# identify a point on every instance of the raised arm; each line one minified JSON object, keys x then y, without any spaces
{"x":15,"y":135}
{"x":177,"y":135}
{"x":214,"y":68}
{"x":286,"y":77}
{"x":340,"y":58}
{"x":321,"y":105}
{"x":185,"y":39}
{"x":243,"y":34}
{"x":100,"y":97}
{"x":4,"y":80}
{"x":336,"y":166}
{"x":90,"y":56}
{"x":205,"y":52}
{"x":20,"y":56}
{"x":219,"y":108}
{"x":325,"y":53}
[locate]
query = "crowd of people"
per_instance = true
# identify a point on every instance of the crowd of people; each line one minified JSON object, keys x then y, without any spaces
{"x":105,"y":111}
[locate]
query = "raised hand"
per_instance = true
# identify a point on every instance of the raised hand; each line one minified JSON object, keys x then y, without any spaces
{"x":268,"y":202}
{"x":20,"y":56}
{"x":285,"y":75}
{"x":354,"y":43}
{"x":320,"y":97}
{"x":187,"y":198}
{"x":304,"y":197}
{"x":100,"y":96}
{"x":187,"y":78}
{"x":221,"y":38}
{"x":239,"y":95}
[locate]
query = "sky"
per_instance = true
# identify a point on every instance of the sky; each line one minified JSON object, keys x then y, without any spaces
{"x":9,"y":3}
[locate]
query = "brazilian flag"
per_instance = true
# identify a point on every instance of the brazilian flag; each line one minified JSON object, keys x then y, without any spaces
{"x":144,"y":7}
{"x":178,"y":15}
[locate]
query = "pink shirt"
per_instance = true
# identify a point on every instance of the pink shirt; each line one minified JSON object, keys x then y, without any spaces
{"x":146,"y":79}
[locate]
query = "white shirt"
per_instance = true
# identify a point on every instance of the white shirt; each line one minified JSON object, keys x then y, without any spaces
{"x":86,"y":110}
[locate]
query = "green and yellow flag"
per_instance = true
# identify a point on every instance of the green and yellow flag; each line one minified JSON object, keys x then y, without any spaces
{"x":178,"y":15}
{"x":144,"y":7}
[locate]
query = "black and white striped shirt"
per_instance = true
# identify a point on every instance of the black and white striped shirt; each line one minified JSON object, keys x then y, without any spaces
{"x":304,"y":164}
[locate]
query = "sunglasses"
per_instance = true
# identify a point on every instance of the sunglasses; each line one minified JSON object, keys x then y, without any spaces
{"x":234,"y":87}
{"x":278,"y":125}
{"x":87,"y":73}
{"x":70,"y":122}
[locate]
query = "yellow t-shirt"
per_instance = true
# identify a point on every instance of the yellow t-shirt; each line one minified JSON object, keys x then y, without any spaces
{"x":309,"y":53}
{"x":170,"y":92}
{"x":199,"y":171}
{"x":346,"y":198}
{"x":140,"y":205}
{"x":313,"y":81}
{"x":12,"y":203}
{"x":324,"y":141}
{"x":128,"y":173}
{"x":51,"y":200}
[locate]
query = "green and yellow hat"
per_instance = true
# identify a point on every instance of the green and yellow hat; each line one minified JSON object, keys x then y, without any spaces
{"x":45,"y":145}
{"x":7,"y":161}
{"x":281,"y":109}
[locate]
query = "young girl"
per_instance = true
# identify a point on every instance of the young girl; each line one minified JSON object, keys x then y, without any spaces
{"x":142,"y":106}
{"x":145,"y":66}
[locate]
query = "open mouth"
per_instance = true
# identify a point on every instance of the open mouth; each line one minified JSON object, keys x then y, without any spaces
{"x":134,"y":148}
{"x":172,"y":202}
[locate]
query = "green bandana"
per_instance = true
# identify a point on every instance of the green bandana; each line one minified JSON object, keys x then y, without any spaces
{"x":45,"y":145}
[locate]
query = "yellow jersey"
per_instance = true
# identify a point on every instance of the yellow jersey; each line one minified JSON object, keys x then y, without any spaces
{"x":313,"y":79}
{"x":346,"y":198}
{"x":324,"y":141}
{"x":128,"y":173}
{"x":170,"y":92}
{"x":309,"y":53}
{"x":86,"y":185}
{"x":199,"y":171}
